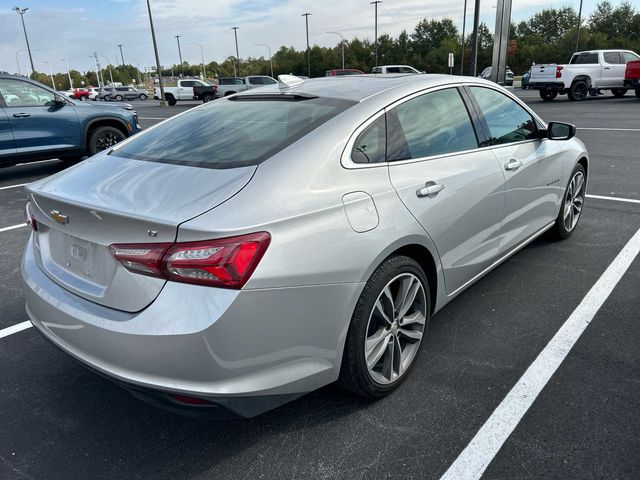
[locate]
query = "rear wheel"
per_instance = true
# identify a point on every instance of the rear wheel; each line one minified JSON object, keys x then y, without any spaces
{"x":619,"y":92}
{"x":386,"y":328}
{"x":207,"y":98}
{"x":104,"y":137}
{"x":578,"y":91}
{"x":548,"y":94}
{"x":171,"y":100}
{"x":572,"y":204}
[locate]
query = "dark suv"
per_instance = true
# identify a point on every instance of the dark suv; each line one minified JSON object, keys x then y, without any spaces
{"x":38,"y":123}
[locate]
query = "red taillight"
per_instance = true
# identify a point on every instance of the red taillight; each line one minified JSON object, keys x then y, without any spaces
{"x":223,"y":262}
{"x":30,"y":217}
{"x":559,"y":72}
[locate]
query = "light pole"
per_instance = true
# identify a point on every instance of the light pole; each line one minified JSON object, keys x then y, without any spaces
{"x":270,"y":58}
{"x":177,"y":37}
{"x":204,"y":73}
{"x":109,"y":66}
{"x":21,"y":11}
{"x":95,"y":58}
{"x":475,"y":44}
{"x":155,"y":49}
{"x":53,"y":83}
{"x":342,"y":44}
{"x":375,"y":3}
{"x":138,"y":68}
{"x":464,"y":24}
{"x":578,"y":27}
{"x":121,"y":54}
{"x":68,"y":73}
{"x":306,"y":22}
{"x":235,"y":34}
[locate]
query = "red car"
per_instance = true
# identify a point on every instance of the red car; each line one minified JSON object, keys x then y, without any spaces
{"x":343,"y":71}
{"x":81,"y":94}
{"x":632,"y":76}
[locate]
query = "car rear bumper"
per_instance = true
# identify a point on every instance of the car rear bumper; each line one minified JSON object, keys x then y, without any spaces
{"x":248,"y":351}
{"x":543,"y":85}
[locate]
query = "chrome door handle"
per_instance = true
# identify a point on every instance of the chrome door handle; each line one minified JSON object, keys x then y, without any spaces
{"x":21,"y":115}
{"x":513,"y":164}
{"x":430,"y":189}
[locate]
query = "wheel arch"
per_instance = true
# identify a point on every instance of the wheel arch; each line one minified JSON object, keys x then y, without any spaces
{"x":585,"y":78}
{"x":103,"y":122}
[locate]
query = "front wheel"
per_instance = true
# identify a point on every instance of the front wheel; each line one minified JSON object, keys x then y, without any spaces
{"x":548,"y":94}
{"x":103,"y":138}
{"x":118,"y":98}
{"x":619,"y":92}
{"x":386,"y":329}
{"x":142,"y":96}
{"x":572,"y":205}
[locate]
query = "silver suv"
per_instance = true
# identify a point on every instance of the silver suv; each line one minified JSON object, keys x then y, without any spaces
{"x":126,"y":93}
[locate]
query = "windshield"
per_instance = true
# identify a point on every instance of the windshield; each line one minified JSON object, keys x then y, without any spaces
{"x":232,"y":133}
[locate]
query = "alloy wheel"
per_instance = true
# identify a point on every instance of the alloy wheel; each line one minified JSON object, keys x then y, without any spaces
{"x":106,"y":140}
{"x":573,"y":202}
{"x":395,"y":328}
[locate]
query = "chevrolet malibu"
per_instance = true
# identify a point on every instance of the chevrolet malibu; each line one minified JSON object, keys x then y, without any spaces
{"x":256,"y":248}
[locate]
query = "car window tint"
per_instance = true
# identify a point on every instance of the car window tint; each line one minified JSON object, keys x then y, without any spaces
{"x":376,"y":70}
{"x":23,"y":94}
{"x":187,"y":83}
{"x":232,"y":133}
{"x":612,"y":58}
{"x":370,"y":146}
{"x":585,"y":58}
{"x":393,"y":70}
{"x":406,"y":70}
{"x":508,"y":122}
{"x":255,"y":80}
{"x":268,"y":81}
{"x":432,"y":124}
{"x":629,"y":57}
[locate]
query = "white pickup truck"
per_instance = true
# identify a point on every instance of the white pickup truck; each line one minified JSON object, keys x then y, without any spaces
{"x":189,"y":89}
{"x":230,"y":85}
{"x":587,"y":72}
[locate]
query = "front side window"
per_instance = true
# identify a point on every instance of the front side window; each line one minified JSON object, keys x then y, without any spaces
{"x":612,"y":58}
{"x":370,"y":146}
{"x":393,"y":69}
{"x":17,"y":93}
{"x":508,"y":122}
{"x":232,"y":133}
{"x":268,"y":81}
{"x":629,"y":57}
{"x":376,"y":70}
{"x":432,"y":124}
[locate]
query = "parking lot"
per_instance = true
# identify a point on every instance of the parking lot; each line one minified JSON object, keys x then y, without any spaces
{"x":61,"y":421}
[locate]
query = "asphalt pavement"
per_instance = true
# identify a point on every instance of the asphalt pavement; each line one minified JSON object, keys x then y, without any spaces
{"x":61,"y":421}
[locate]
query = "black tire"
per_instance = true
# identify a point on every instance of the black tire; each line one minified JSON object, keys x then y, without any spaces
{"x":560,"y":231}
{"x":619,"y":92}
{"x":354,"y":373}
{"x":83,"y":98}
{"x":207,"y":97}
{"x":142,"y":97}
{"x":171,"y":100}
{"x":228,"y":93}
{"x":103,"y":138}
{"x":578,"y":91}
{"x":548,"y":94}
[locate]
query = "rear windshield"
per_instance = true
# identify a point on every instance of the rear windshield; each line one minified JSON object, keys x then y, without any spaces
{"x":232,"y":133}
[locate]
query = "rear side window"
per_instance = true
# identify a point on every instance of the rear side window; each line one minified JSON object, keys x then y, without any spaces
{"x":232,"y":133}
{"x":612,"y":58}
{"x":370,"y":146}
{"x":393,"y":69}
{"x":508,"y":122}
{"x":584,"y":58}
{"x":187,"y":83}
{"x":432,"y":124}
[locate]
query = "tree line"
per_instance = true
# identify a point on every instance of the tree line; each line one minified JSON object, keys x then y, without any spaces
{"x":549,"y":36}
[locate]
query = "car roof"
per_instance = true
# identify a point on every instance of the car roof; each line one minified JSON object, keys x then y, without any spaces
{"x":360,"y":87}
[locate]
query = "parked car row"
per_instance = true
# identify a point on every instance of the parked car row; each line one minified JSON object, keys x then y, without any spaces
{"x":117,"y":94}
{"x":187,"y":89}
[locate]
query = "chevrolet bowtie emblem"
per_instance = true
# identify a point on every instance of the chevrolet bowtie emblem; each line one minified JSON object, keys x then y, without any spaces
{"x":59,"y":217}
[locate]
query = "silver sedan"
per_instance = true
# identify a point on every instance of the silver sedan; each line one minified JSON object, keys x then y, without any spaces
{"x":256,"y":248}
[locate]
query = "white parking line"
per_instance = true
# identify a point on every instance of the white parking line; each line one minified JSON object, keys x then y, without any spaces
{"x":615,"y":199}
{"x":12,"y":186}
{"x":153,"y":118}
{"x":611,"y":129}
{"x":12,"y":227}
{"x":5,"y":332}
{"x":482,"y":449}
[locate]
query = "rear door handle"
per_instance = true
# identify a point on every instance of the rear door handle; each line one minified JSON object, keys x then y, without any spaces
{"x":430,"y":189}
{"x":513,"y":164}
{"x":21,"y":115}
{"x":607,"y":68}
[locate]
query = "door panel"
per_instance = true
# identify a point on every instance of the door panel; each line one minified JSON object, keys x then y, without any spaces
{"x":453,"y":189}
{"x":7,"y":143}
{"x":612,"y":71}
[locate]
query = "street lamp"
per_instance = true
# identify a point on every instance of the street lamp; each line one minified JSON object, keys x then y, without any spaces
{"x":155,"y":49}
{"x":21,"y":11}
{"x":69,"y":74}
{"x":53,"y":83}
{"x":464,"y":25}
{"x":306,"y":22}
{"x":235,"y":34}
{"x":270,"y":57}
{"x":177,"y":37}
{"x":109,"y":66}
{"x":376,"y":2}
{"x":342,"y":44}
{"x":204,"y":73}
{"x":121,"y":54}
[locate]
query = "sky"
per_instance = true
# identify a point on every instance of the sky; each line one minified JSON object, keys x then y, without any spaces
{"x":74,"y":30}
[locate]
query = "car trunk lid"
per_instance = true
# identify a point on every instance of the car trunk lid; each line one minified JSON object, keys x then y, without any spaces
{"x":107,"y":200}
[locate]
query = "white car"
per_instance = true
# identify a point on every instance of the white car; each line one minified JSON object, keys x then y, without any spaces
{"x":395,"y":69}
{"x":586,"y":72}
{"x":93,"y":93}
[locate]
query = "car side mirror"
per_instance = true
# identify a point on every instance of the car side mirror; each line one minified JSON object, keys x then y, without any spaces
{"x":560,"y":131}
{"x":59,"y":101}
